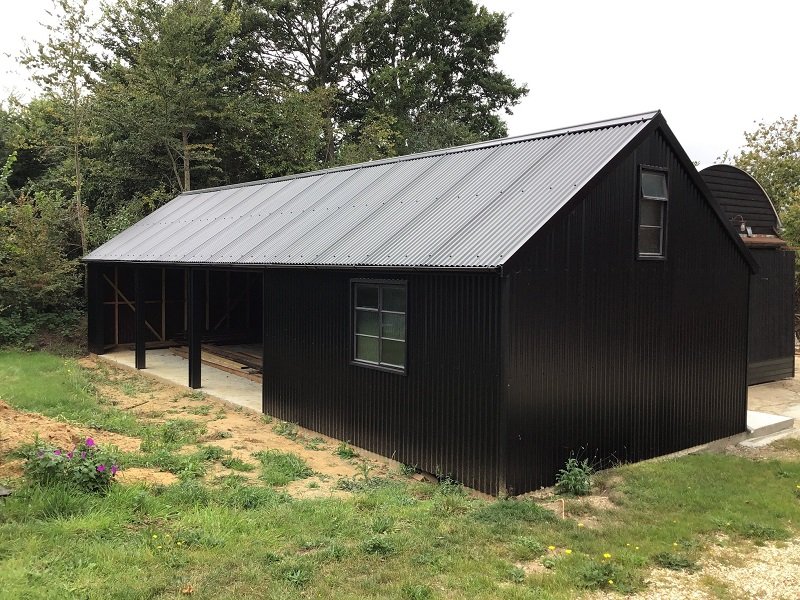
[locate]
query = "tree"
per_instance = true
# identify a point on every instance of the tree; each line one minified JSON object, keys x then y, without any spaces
{"x":432,"y":62}
{"x":61,"y":66}
{"x":772,"y":156}
{"x":418,"y":63}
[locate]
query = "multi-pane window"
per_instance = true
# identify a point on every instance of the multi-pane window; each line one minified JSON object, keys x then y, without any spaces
{"x":652,"y":213}
{"x":379,"y":324}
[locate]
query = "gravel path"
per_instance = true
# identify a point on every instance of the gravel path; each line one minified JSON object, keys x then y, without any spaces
{"x":769,"y":572}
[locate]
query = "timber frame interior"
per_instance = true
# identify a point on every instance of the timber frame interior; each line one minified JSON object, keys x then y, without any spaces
{"x":220,"y":311}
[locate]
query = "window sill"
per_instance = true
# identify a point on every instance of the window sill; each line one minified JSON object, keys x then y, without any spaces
{"x":379,"y":367}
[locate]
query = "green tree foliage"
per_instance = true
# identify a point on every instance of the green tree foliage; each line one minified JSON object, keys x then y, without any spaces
{"x":61,"y":67}
{"x":420,"y":64}
{"x":431,"y":63}
{"x":772,"y":156}
{"x":37,"y":277}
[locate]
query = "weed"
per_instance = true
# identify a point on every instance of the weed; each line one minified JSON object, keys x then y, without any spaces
{"x":575,"y":477}
{"x":246,"y":497}
{"x":202,"y":410}
{"x":382,"y":524}
{"x":408,"y":470}
{"x":516,"y":575}
{"x":759,"y":532}
{"x":266,"y":419}
{"x":378,"y":544}
{"x":527,"y":548}
{"x":597,"y":575}
{"x":212,"y":452}
{"x":237,"y":464}
{"x":194,"y":395}
{"x":345,"y":450}
{"x":172,"y":435}
{"x":315,"y":443}
{"x":221,"y":435}
{"x":286,"y":429}
{"x":297,"y":576}
{"x":675,"y":562}
{"x":279,"y":468}
{"x":416,"y":591}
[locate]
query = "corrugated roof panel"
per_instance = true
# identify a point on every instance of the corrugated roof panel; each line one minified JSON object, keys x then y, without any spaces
{"x":466,"y":207}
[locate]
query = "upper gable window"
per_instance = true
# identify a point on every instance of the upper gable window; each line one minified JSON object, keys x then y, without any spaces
{"x":653,"y":200}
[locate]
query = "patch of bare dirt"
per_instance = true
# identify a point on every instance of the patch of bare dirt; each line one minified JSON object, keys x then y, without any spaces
{"x":150,"y":476}
{"x":19,"y":428}
{"x":236,"y":430}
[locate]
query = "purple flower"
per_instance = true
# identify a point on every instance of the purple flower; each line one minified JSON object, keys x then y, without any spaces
{"x":57,"y":452}
{"x":101,"y":468}
{"x":69,"y":455}
{"x":89,"y":442}
{"x":83,"y":454}
{"x":114,"y":469}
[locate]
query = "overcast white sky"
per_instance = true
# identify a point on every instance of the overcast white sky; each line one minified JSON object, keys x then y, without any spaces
{"x":713,"y":67}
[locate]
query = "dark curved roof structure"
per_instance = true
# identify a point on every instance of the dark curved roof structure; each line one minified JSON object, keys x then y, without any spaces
{"x":742,"y":199}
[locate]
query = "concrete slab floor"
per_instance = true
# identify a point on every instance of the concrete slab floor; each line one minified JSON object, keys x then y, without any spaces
{"x":224,"y":386}
{"x":778,"y":397}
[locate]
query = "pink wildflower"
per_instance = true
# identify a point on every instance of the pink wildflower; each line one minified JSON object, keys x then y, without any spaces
{"x":114,"y":469}
{"x":101,"y":468}
{"x":83,"y":454}
{"x":89,"y":442}
{"x":57,"y":452}
{"x":69,"y":455}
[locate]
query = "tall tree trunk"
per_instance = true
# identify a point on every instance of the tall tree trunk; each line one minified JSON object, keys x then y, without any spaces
{"x":187,"y":178}
{"x":78,"y":175}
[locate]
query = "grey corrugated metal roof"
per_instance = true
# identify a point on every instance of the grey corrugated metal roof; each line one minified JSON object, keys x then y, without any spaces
{"x":466,"y":207}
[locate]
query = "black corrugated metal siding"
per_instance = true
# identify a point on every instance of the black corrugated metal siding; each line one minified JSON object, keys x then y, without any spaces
{"x":442,"y":416}
{"x":617,"y":358}
{"x":772,"y":316}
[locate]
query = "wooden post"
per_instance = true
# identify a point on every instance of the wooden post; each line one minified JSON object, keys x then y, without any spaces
{"x":196,"y":318}
{"x":94,"y":292}
{"x":264,"y":353}
{"x":139,"y":315}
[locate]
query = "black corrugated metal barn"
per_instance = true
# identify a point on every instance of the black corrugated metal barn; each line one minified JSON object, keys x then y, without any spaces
{"x":480,"y":312}
{"x":753,"y":217}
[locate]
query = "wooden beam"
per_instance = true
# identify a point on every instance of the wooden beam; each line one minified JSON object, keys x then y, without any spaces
{"x":139,"y":329}
{"x":132,"y":307}
{"x":239,"y":298}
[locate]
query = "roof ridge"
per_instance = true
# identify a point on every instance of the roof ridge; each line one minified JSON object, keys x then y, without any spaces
{"x":580,"y":128}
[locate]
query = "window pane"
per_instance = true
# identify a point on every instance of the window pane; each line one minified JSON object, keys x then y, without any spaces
{"x":394,"y":326}
{"x":367,"y":322}
{"x":654,"y":184}
{"x":367,"y":295}
{"x":650,"y":240}
{"x":366,"y":348}
{"x":394,"y":353}
{"x":650,"y":212}
{"x":394,"y":298}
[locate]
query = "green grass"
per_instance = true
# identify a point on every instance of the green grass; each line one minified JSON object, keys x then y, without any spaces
{"x":279,"y":468}
{"x":390,"y":538}
{"x":60,"y":389}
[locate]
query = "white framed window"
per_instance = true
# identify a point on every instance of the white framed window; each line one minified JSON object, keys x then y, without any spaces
{"x":379,"y":323}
